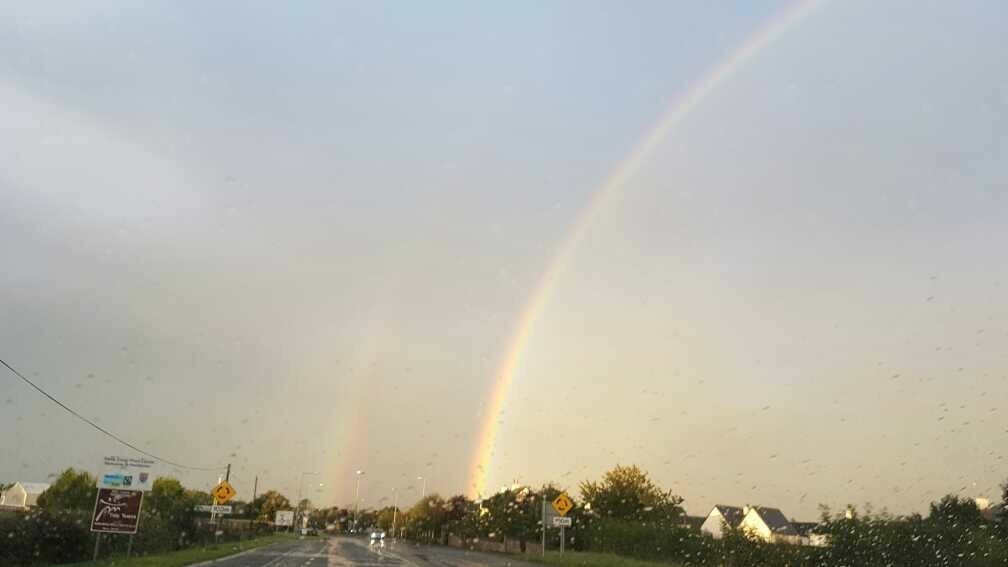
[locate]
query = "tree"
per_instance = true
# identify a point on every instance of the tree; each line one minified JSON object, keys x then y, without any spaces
{"x":1001,"y":513}
{"x":427,"y":516}
{"x":73,"y":490}
{"x":628,"y":493}
{"x":266,"y":505}
{"x":169,"y":501}
{"x":461,"y":516}
{"x":515,"y":513}
{"x":955,"y":511}
{"x":386,"y":516}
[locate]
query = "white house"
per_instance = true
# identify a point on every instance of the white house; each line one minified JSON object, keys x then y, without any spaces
{"x":764,"y":523}
{"x":721,"y":516}
{"x":769,"y":524}
{"x":22,"y":494}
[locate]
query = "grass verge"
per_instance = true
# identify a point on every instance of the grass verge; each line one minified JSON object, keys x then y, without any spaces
{"x":587,"y":559}
{"x":187,"y":556}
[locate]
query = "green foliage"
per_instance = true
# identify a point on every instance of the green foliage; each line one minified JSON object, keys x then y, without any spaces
{"x":589,"y":559}
{"x":168,"y":516}
{"x":509,"y":514}
{"x":628,"y":493}
{"x":265,"y":506}
{"x":44,"y":536}
{"x":954,"y":511}
{"x":386,"y":517}
{"x":1001,"y":514}
{"x":462,"y":516}
{"x":643,"y":540}
{"x":427,"y":517}
{"x":321,"y":517}
{"x":73,"y":490}
{"x":950,"y":535}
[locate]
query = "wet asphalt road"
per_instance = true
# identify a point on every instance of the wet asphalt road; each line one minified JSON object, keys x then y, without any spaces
{"x":348,"y":552}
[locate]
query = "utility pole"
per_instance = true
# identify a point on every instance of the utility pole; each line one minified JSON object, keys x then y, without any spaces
{"x":544,"y":523}
{"x":255,"y":488}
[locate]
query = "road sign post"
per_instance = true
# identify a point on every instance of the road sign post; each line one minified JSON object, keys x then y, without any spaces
{"x":284,"y":518}
{"x":562,"y":504}
{"x":121,"y":483}
{"x":116,"y":511}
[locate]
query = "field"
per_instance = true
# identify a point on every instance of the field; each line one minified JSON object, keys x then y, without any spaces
{"x":186,"y":556}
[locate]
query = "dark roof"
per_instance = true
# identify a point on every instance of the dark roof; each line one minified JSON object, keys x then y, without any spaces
{"x":775,"y":520}
{"x":693,"y":522}
{"x":732,"y":514}
{"x":805,"y":528}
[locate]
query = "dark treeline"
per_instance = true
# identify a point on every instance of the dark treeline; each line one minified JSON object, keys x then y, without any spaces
{"x":625,"y":513}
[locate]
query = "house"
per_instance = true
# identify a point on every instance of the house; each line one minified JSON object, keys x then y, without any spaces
{"x":692,"y":523}
{"x":719,"y":517}
{"x":808,"y":532}
{"x":769,"y":524}
{"x":987,"y":510}
{"x":22,"y":495}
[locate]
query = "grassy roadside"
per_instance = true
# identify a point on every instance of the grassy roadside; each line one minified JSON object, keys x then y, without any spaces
{"x":187,"y":556}
{"x":586,"y":559}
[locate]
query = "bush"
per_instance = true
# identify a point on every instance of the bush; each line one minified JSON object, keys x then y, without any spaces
{"x":645,"y":541}
{"x":41,"y":536}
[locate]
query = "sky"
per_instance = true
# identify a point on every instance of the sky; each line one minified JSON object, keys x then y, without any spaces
{"x":298,"y":239}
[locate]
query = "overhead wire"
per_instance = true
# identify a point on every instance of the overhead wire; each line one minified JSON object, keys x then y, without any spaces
{"x":108,"y":433}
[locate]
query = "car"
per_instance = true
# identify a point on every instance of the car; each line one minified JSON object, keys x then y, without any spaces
{"x":378,"y":538}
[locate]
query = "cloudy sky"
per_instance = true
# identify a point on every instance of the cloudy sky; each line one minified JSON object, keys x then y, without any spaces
{"x":299,"y":239}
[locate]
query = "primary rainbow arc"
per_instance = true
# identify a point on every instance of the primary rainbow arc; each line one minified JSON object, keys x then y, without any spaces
{"x":678,"y":110}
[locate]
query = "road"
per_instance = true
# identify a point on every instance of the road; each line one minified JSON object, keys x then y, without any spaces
{"x":350,"y":552}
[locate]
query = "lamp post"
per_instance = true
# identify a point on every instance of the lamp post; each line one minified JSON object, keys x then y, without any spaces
{"x":395,"y":510}
{"x":300,"y":485}
{"x":357,"y":499}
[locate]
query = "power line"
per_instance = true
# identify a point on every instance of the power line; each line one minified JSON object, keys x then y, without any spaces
{"x":102,"y":429}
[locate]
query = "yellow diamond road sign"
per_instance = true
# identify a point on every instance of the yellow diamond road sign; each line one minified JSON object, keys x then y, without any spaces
{"x":223,"y":492}
{"x":562,"y":504}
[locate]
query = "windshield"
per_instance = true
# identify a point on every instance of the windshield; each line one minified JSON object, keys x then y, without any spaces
{"x":567,"y":282}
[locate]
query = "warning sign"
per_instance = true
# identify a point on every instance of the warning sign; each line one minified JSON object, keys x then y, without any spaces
{"x":223,"y":492}
{"x":116,"y":511}
{"x":562,"y":504}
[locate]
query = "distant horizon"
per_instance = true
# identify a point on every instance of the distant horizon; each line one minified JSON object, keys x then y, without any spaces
{"x":574,"y":493}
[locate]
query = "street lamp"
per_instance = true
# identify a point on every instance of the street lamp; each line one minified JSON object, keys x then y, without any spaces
{"x":300,"y":485}
{"x":395,"y":510}
{"x":356,"y":505}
